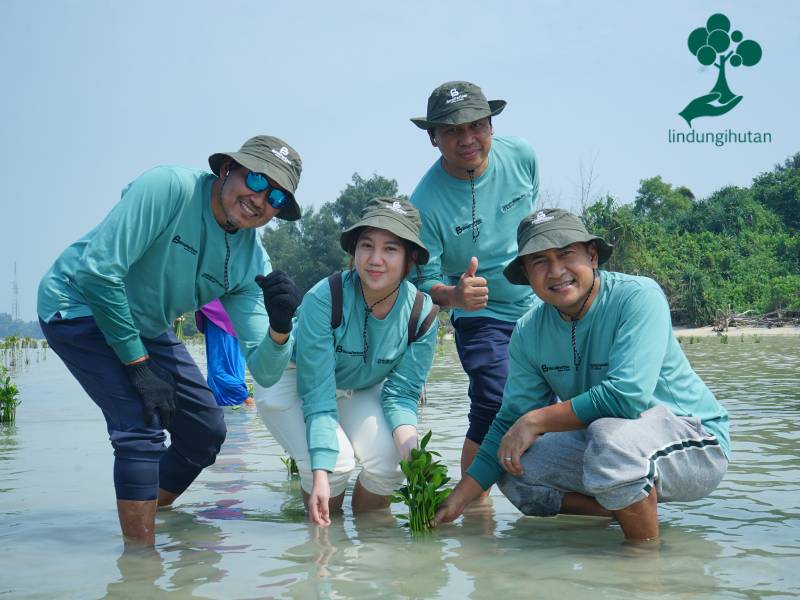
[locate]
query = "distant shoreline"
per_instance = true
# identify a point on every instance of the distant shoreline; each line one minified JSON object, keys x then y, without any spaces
{"x":707,"y":331}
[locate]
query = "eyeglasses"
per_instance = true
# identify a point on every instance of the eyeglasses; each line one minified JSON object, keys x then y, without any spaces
{"x":258,"y":182}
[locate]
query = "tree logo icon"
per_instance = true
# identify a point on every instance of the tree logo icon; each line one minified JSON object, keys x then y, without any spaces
{"x":715,"y":44}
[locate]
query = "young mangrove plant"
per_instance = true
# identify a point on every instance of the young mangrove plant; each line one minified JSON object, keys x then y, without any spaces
{"x":9,"y":397}
{"x":291,"y":466}
{"x":424,"y":490}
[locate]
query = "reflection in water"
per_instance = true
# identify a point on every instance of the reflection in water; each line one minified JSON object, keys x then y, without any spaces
{"x":187,"y":561}
{"x":367,"y":556}
{"x":240,"y":529}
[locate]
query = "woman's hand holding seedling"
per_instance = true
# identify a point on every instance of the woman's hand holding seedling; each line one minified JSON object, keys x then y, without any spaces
{"x":405,"y":438}
{"x":318,"y":500}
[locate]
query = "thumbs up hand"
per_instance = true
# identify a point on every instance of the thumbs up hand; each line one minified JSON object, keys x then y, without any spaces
{"x":471,"y":293}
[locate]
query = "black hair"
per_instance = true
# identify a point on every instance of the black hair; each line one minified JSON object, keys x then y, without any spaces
{"x":411,"y":250}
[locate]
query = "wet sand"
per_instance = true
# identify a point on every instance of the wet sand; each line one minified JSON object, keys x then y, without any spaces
{"x":736,"y":331}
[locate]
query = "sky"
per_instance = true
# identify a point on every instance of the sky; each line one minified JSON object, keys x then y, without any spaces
{"x":96,"y":92}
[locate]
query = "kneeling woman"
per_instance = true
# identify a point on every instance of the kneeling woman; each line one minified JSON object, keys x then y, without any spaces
{"x":362,"y":354}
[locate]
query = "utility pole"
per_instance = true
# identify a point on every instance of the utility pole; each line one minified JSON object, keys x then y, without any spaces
{"x":15,"y":296}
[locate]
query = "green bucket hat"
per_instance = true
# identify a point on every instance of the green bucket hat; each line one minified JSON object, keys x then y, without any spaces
{"x":456,"y":103}
{"x":396,"y":215}
{"x":550,"y":228}
{"x":272,"y":157}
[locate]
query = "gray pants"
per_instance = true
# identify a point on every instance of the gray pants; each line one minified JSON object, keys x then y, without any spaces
{"x":618,"y":462}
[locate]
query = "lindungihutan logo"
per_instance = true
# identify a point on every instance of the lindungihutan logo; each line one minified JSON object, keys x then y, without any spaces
{"x":715,"y":44}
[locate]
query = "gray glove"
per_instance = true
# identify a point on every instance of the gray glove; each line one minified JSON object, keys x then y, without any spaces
{"x":156,"y":388}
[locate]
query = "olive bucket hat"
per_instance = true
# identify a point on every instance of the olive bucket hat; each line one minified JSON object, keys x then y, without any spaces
{"x":395,"y":215}
{"x":550,"y":228}
{"x":457,"y":102}
{"x":272,"y":157}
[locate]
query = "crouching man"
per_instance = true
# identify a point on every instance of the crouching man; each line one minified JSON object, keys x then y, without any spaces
{"x":636,"y":425}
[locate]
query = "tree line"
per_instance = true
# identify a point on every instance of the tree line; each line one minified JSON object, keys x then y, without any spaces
{"x":15,"y":327}
{"x":737,"y":250}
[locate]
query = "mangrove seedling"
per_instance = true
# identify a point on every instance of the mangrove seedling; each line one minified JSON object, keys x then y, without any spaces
{"x":291,"y":466}
{"x":9,"y":397}
{"x":424,"y":491}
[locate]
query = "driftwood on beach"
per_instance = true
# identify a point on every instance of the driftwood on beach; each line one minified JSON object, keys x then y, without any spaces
{"x":776,"y":318}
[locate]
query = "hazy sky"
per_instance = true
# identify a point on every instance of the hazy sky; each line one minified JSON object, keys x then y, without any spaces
{"x":94,"y":93}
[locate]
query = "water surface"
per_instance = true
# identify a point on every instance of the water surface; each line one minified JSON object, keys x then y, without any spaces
{"x":240,"y":531}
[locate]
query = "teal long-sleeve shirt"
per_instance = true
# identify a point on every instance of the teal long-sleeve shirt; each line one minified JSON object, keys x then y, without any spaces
{"x":504,"y":194}
{"x":630,"y":363}
{"x":158,"y":254}
{"x":329,"y":359}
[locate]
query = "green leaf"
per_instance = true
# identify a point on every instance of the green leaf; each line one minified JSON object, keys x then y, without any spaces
{"x":426,"y":439}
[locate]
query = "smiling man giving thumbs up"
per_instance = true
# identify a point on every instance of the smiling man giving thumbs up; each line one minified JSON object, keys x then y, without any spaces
{"x":470,"y":202}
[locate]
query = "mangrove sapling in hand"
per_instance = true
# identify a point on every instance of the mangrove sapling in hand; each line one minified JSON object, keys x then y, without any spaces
{"x":424,"y":491}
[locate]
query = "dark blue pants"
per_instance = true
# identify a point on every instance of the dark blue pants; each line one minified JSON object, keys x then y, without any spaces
{"x":482,"y":344}
{"x":142,"y":462}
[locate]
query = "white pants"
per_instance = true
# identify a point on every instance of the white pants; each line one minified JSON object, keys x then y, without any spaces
{"x":363,"y":435}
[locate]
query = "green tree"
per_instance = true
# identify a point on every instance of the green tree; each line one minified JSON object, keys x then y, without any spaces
{"x":779,"y":191}
{"x":728,"y":250}
{"x":730,"y":211}
{"x":658,"y":200}
{"x":352,"y":199}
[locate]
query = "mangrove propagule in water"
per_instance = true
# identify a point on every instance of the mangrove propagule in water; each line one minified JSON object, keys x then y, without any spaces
{"x":424,"y":490}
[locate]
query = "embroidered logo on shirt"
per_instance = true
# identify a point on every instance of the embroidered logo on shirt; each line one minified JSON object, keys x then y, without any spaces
{"x":557,"y":368}
{"x":397,"y":207}
{"x":341,"y":350}
{"x":177,"y":240}
{"x":209,"y":277}
{"x":541,"y":217}
{"x":467,"y":226}
{"x":385,"y":361}
{"x":506,"y":207}
{"x":456,"y":96}
{"x":598,"y":366}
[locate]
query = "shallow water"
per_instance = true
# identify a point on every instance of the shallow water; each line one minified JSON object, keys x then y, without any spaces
{"x":240,"y":532}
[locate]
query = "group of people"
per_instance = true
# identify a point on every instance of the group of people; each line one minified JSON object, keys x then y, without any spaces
{"x":580,"y":399}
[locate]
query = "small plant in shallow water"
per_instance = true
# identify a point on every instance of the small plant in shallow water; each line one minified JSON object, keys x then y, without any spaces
{"x":424,"y":491}
{"x":291,"y":466}
{"x":9,"y":397}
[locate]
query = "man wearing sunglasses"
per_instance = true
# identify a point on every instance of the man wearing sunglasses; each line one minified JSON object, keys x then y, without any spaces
{"x":178,"y":239}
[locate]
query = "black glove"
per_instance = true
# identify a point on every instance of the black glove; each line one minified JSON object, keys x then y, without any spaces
{"x":281,"y":299}
{"x":156,"y":388}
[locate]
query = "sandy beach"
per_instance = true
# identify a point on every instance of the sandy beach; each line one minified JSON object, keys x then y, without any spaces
{"x":736,"y":331}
